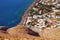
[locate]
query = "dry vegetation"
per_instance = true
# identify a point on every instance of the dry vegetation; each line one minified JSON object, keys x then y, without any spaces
{"x":17,"y":33}
{"x":20,"y":33}
{"x":51,"y":33}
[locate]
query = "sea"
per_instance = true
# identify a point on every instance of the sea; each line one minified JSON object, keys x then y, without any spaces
{"x":11,"y":11}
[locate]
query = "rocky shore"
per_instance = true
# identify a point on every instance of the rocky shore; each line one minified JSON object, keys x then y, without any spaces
{"x":26,"y":13}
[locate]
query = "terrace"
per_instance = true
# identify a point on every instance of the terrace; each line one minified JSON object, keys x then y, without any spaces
{"x":43,"y":16}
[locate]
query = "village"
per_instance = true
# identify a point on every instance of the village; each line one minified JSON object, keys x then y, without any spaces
{"x":44,"y":15}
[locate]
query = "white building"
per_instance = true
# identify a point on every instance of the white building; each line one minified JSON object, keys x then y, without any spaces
{"x":35,"y":9}
{"x":28,"y":20}
{"x":57,"y":16}
{"x":40,"y":12}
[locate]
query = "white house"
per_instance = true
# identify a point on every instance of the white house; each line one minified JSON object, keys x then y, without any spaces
{"x":35,"y":9}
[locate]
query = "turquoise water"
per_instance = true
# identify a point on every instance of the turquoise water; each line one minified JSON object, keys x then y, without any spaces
{"x":11,"y":11}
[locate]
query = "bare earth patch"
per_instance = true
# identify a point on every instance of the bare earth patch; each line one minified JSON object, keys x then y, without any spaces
{"x":18,"y":33}
{"x":51,"y":33}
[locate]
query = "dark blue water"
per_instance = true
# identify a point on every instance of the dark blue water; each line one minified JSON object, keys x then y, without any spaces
{"x":11,"y":11}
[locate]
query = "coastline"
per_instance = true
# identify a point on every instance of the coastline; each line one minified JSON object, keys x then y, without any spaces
{"x":26,"y":12}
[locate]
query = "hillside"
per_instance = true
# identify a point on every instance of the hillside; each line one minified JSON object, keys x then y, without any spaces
{"x":17,"y":33}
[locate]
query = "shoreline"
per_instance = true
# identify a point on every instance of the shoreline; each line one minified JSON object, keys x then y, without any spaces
{"x":26,"y":12}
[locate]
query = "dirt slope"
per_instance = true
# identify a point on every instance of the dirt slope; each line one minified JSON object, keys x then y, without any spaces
{"x":51,"y":33}
{"x":20,"y":33}
{"x":17,"y":33}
